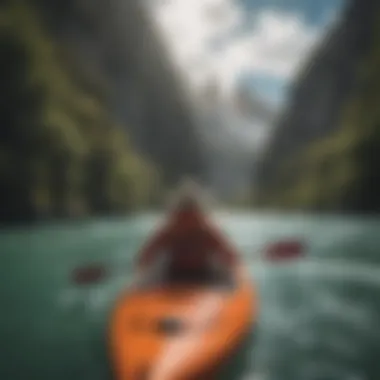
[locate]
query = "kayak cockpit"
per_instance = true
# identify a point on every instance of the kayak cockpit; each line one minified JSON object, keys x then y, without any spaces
{"x":210,"y":281}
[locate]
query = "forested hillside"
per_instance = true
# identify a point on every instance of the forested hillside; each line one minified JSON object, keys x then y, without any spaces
{"x":65,"y":150}
{"x":324,"y":155}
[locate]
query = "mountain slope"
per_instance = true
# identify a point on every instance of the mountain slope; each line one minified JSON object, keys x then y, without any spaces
{"x":93,"y":121}
{"x":232,"y":131}
{"x":117,"y":43}
{"x":321,"y":152}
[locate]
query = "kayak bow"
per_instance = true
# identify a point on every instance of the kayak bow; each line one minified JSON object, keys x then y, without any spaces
{"x":181,"y":333}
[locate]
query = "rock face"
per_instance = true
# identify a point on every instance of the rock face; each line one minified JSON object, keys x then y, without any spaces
{"x":313,"y":132}
{"x":232,"y":131}
{"x":250,"y":105}
{"x":116,"y":44}
{"x":93,"y":119}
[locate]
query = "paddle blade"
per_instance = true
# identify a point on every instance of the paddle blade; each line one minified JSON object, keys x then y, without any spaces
{"x":89,"y":274}
{"x":284,"y":250}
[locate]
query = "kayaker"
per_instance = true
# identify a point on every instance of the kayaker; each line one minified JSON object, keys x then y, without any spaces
{"x":189,"y":243}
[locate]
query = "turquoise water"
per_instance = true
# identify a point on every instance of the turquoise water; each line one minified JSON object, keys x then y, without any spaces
{"x":320,"y":317}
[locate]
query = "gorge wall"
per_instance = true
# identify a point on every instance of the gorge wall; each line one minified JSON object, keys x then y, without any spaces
{"x":323,"y":153}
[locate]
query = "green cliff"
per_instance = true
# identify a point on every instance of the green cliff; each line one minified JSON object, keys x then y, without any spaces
{"x":61,"y":152}
{"x":336,"y":169}
{"x":117,"y":43}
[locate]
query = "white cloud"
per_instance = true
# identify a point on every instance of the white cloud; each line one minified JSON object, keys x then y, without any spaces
{"x":273,"y":44}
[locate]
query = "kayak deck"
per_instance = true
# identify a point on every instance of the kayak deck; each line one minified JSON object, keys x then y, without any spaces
{"x":179,"y":333}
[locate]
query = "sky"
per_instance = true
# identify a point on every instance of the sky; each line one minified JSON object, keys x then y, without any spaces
{"x":258,"y":43}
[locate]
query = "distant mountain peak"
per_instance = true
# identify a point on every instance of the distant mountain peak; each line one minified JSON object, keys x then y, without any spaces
{"x":249,"y":104}
{"x":211,"y":91}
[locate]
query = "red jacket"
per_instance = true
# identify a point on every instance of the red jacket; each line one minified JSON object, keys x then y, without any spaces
{"x":188,"y":234}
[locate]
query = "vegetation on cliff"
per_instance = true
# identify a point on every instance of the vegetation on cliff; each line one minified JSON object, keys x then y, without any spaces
{"x":61,"y":152}
{"x":338,"y":172}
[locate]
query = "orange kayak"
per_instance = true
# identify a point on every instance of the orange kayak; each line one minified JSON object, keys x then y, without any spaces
{"x":181,"y":333}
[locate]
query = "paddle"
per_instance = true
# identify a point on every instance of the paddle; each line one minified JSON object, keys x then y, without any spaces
{"x":96,"y":273}
{"x":89,"y":274}
{"x":280,"y":251}
{"x":285,"y":250}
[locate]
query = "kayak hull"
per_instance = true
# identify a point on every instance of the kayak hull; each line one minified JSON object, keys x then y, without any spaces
{"x":181,"y":333}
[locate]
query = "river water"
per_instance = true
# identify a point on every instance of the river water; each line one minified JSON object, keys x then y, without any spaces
{"x":319,"y":319}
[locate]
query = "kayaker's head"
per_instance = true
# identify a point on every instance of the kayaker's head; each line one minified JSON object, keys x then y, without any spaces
{"x":188,"y":210}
